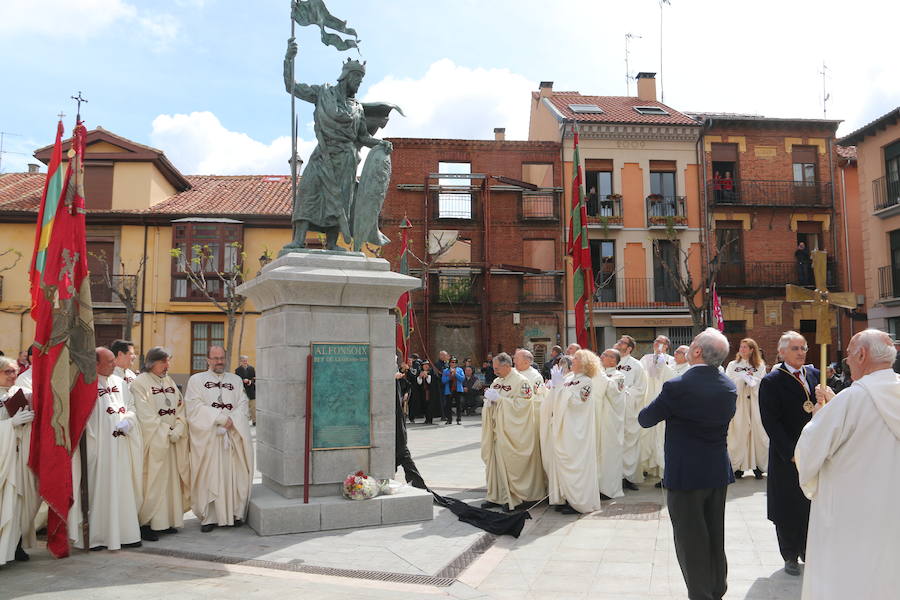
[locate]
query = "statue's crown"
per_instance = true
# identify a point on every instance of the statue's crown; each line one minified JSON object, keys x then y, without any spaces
{"x":353,"y":65}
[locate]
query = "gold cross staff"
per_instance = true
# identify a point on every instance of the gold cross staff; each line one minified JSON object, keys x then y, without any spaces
{"x":823,"y":300}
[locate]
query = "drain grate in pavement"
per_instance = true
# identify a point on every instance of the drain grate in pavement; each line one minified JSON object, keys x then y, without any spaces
{"x":436,"y":581}
{"x":469,"y":555}
{"x":637,"y":511}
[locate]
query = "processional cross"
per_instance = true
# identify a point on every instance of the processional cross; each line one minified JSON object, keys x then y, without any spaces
{"x":822,"y":301}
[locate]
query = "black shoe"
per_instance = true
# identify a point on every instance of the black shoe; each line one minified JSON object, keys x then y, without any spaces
{"x":148,"y":534}
{"x":21,"y":555}
{"x":429,"y":422}
{"x":97,"y":548}
{"x":629,"y":486}
{"x":791,"y":567}
{"x":558,"y":507}
{"x":208,"y":527}
{"x":166,"y":531}
{"x":568,"y":510}
{"x":738,"y":474}
{"x":237,"y":523}
{"x":132,"y":545}
{"x":489,"y":504}
{"x":757,"y":473}
{"x":458,"y":422}
{"x":658,"y":485}
{"x":604,"y":496}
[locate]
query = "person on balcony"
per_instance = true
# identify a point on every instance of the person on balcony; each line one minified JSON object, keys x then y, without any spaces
{"x":804,"y":264}
{"x":717,"y":187}
{"x":727,"y":183}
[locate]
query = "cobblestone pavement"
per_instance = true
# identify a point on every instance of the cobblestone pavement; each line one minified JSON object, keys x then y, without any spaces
{"x":624,"y":552}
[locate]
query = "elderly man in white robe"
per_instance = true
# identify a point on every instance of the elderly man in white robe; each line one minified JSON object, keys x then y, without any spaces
{"x":510,"y":443}
{"x":848,"y":461}
{"x":114,"y":466}
{"x":611,"y":427}
{"x":659,"y":368}
{"x":681,"y":361}
{"x":572,"y":475}
{"x":123,"y":350}
{"x":167,"y":469}
{"x":221,"y":449}
{"x":19,"y":500}
{"x":635,"y":389}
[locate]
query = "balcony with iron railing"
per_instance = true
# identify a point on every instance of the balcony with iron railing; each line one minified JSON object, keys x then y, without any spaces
{"x":605,"y":213}
{"x":885,"y":195}
{"x":454,"y":202}
{"x":540,"y":205}
{"x":102,"y":292}
{"x":888,"y":282}
{"x":770,"y":275}
{"x":666,"y":211}
{"x":541,"y":288}
{"x":614,"y":293}
{"x":750,"y":192}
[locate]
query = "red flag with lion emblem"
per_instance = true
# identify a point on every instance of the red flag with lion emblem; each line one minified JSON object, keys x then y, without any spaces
{"x":64,"y":362}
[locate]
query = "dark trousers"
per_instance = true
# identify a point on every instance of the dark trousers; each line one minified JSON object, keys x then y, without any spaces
{"x":451,"y":400}
{"x":698,"y":522}
{"x":792,"y":539}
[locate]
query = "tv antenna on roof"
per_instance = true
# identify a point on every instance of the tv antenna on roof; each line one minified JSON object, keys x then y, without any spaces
{"x":628,"y":38}
{"x":825,"y":95}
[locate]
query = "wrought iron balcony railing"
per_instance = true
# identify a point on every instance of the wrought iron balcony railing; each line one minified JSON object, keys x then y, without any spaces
{"x":540,"y":206}
{"x":770,"y":193}
{"x":666,"y":211}
{"x":636,"y":292}
{"x":541,"y":288}
{"x":885,"y":193}
{"x":770,"y":275}
{"x":606,"y":212}
{"x":888,"y":281}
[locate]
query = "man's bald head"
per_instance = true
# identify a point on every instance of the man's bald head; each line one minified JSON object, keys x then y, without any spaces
{"x":869,"y":351}
{"x":106,"y":361}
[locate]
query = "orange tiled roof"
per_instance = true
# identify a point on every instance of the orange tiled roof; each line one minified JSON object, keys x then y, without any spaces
{"x":847,"y":152}
{"x":617,"y":109}
{"x":209,"y":195}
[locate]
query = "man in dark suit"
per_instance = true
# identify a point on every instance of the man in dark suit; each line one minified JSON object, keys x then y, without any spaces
{"x":555,"y":353}
{"x":697,"y":408}
{"x":786,"y":401}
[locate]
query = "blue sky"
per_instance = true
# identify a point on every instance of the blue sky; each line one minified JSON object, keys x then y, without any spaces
{"x":201,"y":79}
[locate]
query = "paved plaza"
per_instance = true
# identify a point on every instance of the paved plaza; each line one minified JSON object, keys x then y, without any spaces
{"x":624,"y":552}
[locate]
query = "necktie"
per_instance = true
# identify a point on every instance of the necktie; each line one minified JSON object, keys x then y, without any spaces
{"x":797,"y":375}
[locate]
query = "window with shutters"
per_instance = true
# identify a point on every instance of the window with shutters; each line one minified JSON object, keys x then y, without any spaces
{"x":204,"y":335}
{"x":213,"y":246}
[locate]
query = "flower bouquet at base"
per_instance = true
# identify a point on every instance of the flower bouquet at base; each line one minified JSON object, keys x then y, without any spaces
{"x":359,"y":486}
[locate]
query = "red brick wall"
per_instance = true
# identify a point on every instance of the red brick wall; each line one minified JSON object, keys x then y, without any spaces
{"x":413,"y":160}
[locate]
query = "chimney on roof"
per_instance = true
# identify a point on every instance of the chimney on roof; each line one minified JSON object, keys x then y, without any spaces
{"x":33,"y":168}
{"x":545,"y":88}
{"x":499,"y":133}
{"x":646,"y":84}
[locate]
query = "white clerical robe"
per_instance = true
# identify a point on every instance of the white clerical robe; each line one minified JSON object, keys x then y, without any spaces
{"x":19,"y":500}
{"x":658,"y":368}
{"x":572,"y":476}
{"x":127,"y":375}
{"x":510,"y":443}
{"x":611,"y":434}
{"x":680,"y":369}
{"x":114,"y":470}
{"x":848,"y":461}
{"x":221,"y":459}
{"x":167,"y":469}
{"x":748,"y":443}
{"x":635,"y":391}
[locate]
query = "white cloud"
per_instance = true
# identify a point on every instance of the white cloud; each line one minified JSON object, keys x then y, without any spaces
{"x":453,"y":101}
{"x":82,"y":19}
{"x":198,"y":143}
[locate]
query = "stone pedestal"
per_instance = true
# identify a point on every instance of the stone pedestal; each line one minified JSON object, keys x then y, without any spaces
{"x":319,"y":296}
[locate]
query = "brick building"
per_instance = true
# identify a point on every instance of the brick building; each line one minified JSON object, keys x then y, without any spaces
{"x":486,"y":239}
{"x":878,"y":147}
{"x":641,"y":166}
{"x":769,"y":184}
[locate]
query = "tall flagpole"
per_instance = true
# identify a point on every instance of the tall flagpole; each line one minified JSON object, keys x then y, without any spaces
{"x":293,"y":121}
